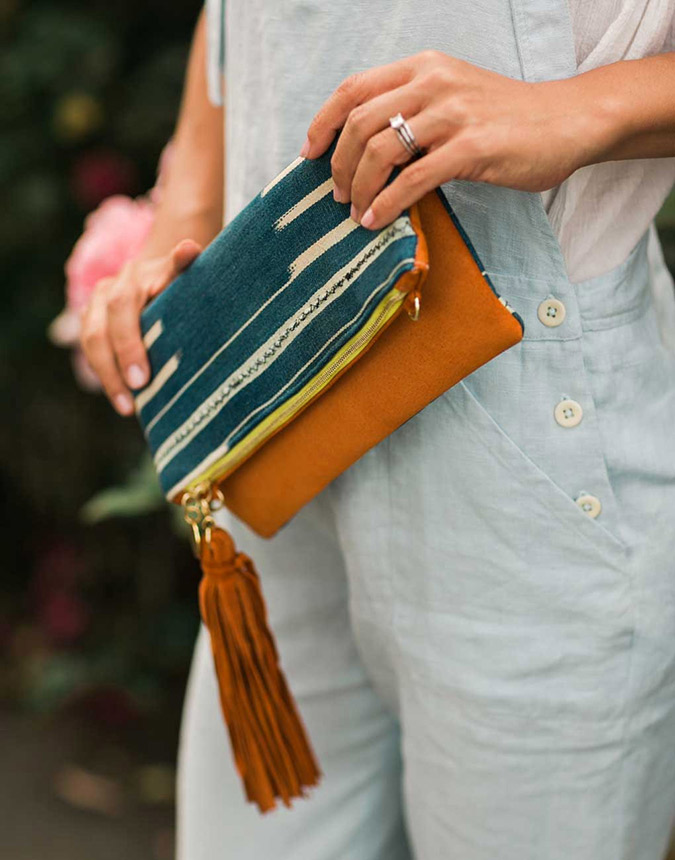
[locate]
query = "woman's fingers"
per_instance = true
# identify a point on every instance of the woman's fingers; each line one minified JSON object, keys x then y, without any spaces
{"x":97,"y":348}
{"x":111,"y":331}
{"x":411,"y":184}
{"x":185,"y":252}
{"x":126,"y":297}
{"x":508,"y":132}
{"x":381,"y":154}
{"x":182,"y":255}
{"x":354,"y":90}
{"x":361,"y":127}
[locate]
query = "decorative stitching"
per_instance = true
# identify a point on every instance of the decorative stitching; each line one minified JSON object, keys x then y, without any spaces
{"x":212,"y":403}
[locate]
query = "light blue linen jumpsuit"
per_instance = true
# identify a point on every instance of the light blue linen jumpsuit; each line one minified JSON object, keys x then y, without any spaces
{"x":478,"y":617}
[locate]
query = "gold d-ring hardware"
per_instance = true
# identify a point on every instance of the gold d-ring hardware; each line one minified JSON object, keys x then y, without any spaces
{"x":198,"y":505}
{"x":415,"y":314}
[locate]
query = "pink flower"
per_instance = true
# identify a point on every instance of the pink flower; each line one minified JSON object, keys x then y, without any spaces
{"x":113,"y":234}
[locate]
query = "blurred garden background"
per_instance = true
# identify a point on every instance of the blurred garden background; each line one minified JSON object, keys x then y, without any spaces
{"x":97,"y":594}
{"x":98,"y":605}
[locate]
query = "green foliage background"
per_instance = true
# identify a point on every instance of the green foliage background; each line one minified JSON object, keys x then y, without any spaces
{"x":97,"y":612}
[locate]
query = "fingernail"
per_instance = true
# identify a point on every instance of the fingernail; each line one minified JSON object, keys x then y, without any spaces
{"x":368,"y":219}
{"x":304,"y":152}
{"x":338,"y":195}
{"x":124,"y":404}
{"x":353,"y":213}
{"x":136,"y":376}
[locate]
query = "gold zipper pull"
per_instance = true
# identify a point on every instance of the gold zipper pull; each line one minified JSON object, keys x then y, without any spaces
{"x":198,"y":505}
{"x":192,"y":514}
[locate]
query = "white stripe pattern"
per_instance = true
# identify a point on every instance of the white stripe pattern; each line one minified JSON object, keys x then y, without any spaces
{"x":152,"y":333}
{"x":301,"y":262}
{"x":224,"y":447}
{"x":159,"y":380}
{"x":304,"y":204}
{"x":320,"y":299}
{"x":322,"y":244}
{"x":277,"y":179}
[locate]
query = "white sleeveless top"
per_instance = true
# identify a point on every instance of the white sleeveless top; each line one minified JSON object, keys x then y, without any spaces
{"x":601,"y":211}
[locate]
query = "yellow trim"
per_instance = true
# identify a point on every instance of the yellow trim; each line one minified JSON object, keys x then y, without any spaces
{"x":386,"y":308}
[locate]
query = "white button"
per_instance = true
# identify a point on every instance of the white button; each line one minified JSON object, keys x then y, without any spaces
{"x":568,"y":413}
{"x":551,"y":312}
{"x":589,"y":504}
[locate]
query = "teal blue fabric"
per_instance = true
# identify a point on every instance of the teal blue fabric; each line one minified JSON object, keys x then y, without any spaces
{"x":486,"y":672}
{"x":249,"y":324}
{"x":246,"y":326}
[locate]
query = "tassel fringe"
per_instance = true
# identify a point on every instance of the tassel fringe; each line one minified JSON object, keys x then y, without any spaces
{"x":271,"y":749}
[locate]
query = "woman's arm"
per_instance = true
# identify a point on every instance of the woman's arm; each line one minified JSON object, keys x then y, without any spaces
{"x":634,"y":102}
{"x":193,"y":195}
{"x":478,"y":125}
{"x":189,"y":215}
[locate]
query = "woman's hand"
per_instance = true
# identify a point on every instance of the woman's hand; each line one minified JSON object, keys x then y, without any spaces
{"x":191,"y":205}
{"x":474,"y":124}
{"x":110,"y":332}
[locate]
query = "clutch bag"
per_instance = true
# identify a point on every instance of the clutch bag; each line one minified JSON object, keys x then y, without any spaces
{"x":293,"y":344}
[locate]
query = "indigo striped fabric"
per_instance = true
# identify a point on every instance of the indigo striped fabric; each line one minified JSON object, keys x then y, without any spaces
{"x":288,"y":291}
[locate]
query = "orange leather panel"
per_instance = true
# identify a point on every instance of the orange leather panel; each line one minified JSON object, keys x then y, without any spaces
{"x":461,"y":326}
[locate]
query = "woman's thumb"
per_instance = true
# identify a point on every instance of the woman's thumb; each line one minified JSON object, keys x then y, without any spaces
{"x":184,"y":253}
{"x":165,"y":269}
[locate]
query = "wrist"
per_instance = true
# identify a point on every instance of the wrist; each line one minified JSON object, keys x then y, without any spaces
{"x":198,"y":221}
{"x":192,"y":194}
{"x":599,"y":119}
{"x":608,"y":101}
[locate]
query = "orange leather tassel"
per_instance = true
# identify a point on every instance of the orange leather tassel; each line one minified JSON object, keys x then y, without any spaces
{"x":271,"y":749}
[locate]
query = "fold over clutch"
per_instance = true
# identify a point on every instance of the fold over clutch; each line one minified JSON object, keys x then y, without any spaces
{"x":294,"y":343}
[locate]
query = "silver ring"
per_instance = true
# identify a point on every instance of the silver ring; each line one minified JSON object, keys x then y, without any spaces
{"x":405,"y":135}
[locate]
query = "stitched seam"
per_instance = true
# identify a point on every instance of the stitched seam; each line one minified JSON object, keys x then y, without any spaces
{"x":618,"y":319}
{"x":393,"y":592}
{"x":628,"y":720}
{"x":619,"y":547}
{"x":166,"y":450}
{"x":520,"y":37}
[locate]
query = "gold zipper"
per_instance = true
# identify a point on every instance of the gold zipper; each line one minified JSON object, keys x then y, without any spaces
{"x":198,"y":504}
{"x":397,"y":297}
